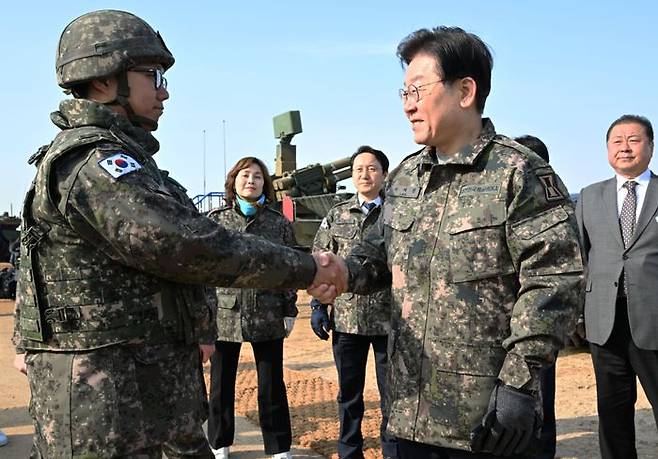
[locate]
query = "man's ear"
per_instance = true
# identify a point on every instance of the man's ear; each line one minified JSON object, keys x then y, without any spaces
{"x":103,"y":89}
{"x":467,"y":90}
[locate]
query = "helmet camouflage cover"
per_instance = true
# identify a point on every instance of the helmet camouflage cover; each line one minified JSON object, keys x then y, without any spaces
{"x":103,"y":43}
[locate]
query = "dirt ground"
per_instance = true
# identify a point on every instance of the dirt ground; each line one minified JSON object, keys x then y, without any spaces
{"x":312,"y":388}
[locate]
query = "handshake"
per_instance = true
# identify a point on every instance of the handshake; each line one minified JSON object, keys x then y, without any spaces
{"x":331,"y":277}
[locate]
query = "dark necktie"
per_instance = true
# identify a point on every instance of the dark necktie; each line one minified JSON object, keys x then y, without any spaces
{"x":627,"y":222}
{"x":369,"y":206}
{"x":627,"y":216}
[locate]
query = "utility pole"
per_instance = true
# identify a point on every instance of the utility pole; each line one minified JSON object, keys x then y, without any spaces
{"x":204,"y":162}
{"x":224,"y":136}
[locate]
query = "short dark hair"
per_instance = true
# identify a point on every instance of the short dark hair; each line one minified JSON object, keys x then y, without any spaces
{"x":535,"y":144}
{"x":381,"y":157}
{"x":458,"y":54}
{"x":626,"y":119}
{"x":229,"y":186}
{"x":80,"y":90}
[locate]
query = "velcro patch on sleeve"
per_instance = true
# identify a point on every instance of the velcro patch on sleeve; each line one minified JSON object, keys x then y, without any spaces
{"x":119,"y":164}
{"x":551,"y":188}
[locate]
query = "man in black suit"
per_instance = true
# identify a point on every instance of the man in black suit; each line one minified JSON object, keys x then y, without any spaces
{"x":618,"y":221}
{"x":547,"y":375}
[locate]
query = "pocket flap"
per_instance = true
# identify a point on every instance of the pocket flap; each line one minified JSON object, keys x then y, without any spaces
{"x":400,"y":221}
{"x":346,"y":230}
{"x":531,"y":227}
{"x":471,"y":218}
{"x":226,"y":300}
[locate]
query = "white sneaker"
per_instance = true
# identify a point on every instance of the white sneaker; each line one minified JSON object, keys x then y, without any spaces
{"x":221,"y":453}
{"x":285,"y":455}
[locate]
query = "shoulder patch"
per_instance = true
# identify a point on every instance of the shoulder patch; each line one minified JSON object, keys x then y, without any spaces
{"x":324,"y":224}
{"x":119,"y":164}
{"x":551,"y":189}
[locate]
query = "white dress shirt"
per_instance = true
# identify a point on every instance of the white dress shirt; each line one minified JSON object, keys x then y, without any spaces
{"x":640,"y":191}
{"x":363,"y":202}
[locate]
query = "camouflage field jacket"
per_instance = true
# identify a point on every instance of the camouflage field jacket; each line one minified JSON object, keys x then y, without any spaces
{"x":341,"y":230}
{"x":111,"y":244}
{"x":483,"y":257}
{"x":254,"y":315}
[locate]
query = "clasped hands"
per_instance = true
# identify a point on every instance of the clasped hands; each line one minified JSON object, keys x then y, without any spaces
{"x":331,"y":277}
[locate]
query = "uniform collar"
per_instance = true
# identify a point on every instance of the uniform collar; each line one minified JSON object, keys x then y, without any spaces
{"x":642,"y":179}
{"x":361,"y":202}
{"x":467,"y":155}
{"x":74,"y":113}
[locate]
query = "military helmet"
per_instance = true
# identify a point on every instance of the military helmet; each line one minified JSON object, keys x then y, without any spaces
{"x":103,"y":43}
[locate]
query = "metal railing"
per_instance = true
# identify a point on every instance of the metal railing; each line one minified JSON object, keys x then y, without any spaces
{"x":209,"y":201}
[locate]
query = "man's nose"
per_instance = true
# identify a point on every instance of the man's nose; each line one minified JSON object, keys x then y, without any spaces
{"x":163,"y":94}
{"x":409,"y":105}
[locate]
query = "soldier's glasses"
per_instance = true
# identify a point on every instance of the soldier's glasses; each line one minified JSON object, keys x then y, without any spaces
{"x":414,"y":91}
{"x":159,"y":79}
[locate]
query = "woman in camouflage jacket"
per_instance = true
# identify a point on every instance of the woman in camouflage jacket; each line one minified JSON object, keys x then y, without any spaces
{"x":260,"y":317}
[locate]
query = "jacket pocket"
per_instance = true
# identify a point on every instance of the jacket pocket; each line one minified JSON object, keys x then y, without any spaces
{"x":226,"y":300}
{"x":460,"y":366}
{"x":399,"y":225}
{"x":345,"y":230}
{"x":478,"y":243}
{"x":270,"y":303}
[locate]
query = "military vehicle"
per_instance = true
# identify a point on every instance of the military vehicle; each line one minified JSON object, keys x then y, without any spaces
{"x":8,"y":234}
{"x":305,"y":194}
{"x":8,"y":255}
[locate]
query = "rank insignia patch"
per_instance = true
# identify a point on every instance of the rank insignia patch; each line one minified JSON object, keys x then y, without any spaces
{"x":550,"y":185}
{"x":119,"y":164}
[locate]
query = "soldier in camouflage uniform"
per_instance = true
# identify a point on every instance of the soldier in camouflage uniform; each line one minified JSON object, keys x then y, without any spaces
{"x":357,"y":321}
{"x":478,"y":240}
{"x":260,"y":317}
{"x":107,"y":312}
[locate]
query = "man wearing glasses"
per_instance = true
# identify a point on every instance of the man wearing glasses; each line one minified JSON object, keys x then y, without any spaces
{"x":111,"y":318}
{"x":478,"y":242}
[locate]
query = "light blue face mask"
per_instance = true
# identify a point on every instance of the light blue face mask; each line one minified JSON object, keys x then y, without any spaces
{"x":249,"y":209}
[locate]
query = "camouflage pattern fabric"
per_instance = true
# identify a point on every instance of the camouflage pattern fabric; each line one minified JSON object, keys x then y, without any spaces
{"x":106,"y":297}
{"x":115,"y":401}
{"x":342,"y":229}
{"x":253,"y":315}
{"x":136,"y":226}
{"x":103,"y":43}
{"x":484,"y":261}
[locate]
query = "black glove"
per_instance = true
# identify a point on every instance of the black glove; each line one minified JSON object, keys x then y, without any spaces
{"x":320,"y":319}
{"x":512,"y":424}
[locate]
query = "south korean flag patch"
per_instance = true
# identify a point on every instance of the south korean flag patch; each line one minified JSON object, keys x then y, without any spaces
{"x":119,"y":164}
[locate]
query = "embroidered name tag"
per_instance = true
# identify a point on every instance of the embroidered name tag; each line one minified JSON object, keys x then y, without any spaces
{"x":119,"y":164}
{"x":472,"y":190}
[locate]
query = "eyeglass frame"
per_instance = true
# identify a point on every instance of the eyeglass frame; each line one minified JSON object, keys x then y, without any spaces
{"x":404,"y":92}
{"x":158,"y":74}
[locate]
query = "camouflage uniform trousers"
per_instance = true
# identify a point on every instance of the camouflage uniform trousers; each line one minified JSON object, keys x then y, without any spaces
{"x":120,"y":401}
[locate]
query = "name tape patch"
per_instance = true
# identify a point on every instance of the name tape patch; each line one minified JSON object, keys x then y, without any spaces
{"x":472,"y":190}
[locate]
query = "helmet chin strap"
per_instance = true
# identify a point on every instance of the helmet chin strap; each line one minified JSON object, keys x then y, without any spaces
{"x":123,"y":92}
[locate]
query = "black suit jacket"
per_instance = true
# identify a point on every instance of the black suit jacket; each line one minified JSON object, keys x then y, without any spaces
{"x":604,"y":252}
